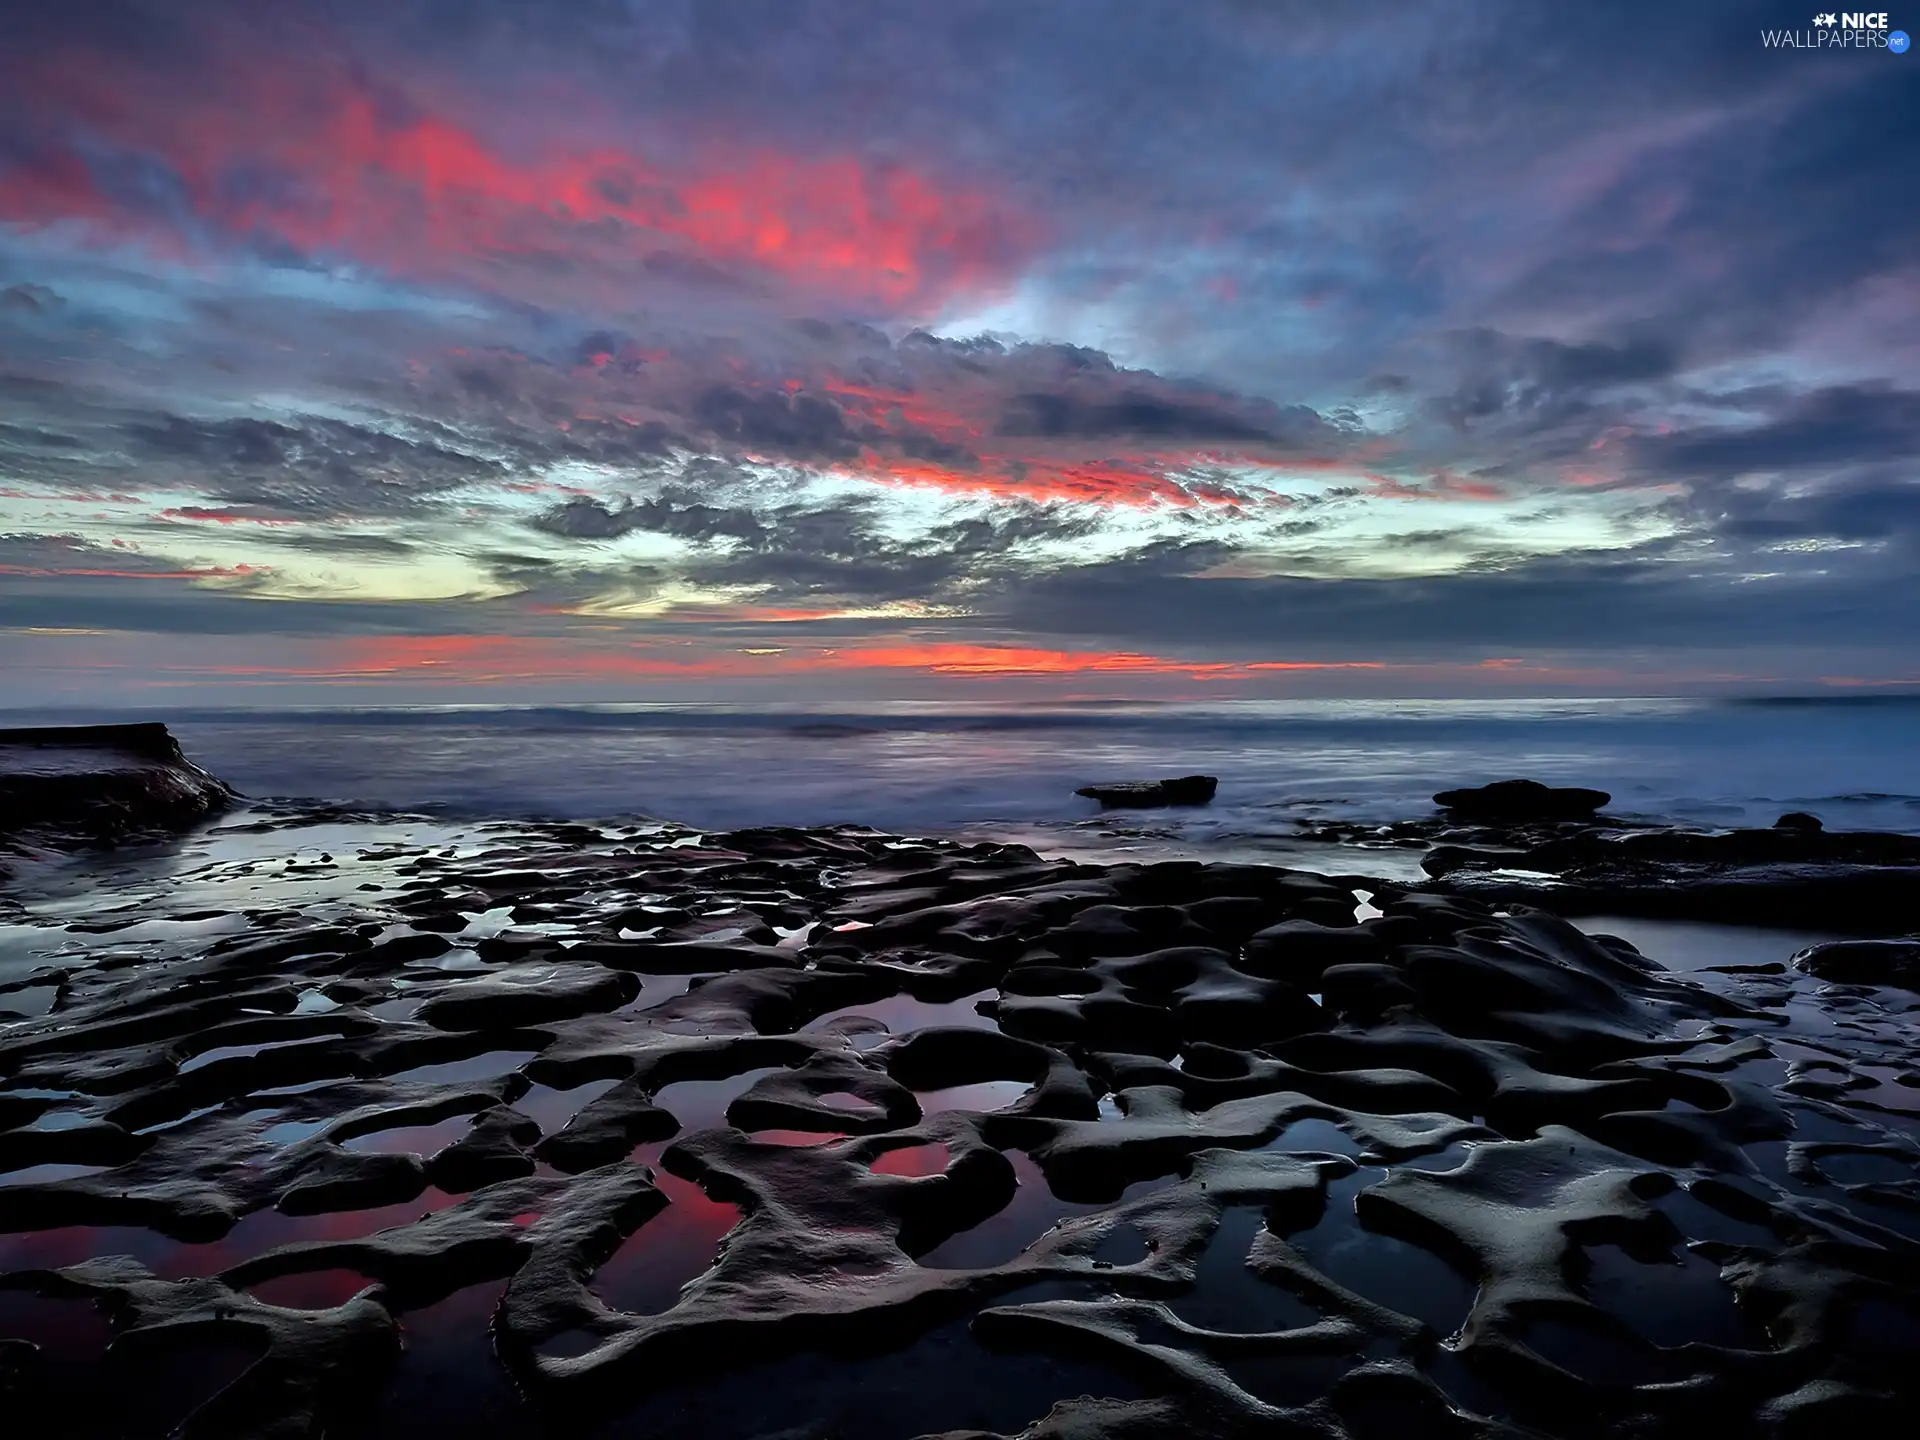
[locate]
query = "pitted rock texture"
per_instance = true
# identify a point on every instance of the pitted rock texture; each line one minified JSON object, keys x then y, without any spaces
{"x":361,"y":1127}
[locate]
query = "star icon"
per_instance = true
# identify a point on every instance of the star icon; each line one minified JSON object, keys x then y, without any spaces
{"x":1826,"y":19}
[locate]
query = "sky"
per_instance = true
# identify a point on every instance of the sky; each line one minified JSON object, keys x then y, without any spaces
{"x":373,"y":351}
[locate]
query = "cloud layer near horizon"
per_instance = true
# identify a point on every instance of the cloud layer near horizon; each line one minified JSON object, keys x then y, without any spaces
{"x":634,"y":349}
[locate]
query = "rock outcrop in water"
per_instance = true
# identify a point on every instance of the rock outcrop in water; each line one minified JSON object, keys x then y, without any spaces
{"x":92,"y":783}
{"x":1865,"y":962}
{"x":1152,"y":794}
{"x":1521,"y":800}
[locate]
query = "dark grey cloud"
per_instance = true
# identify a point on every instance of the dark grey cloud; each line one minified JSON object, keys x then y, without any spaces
{"x":1834,"y":466}
{"x":172,"y":607}
{"x":1601,"y":604}
{"x":1056,"y":416}
{"x":302,"y":467}
{"x":836,"y":551}
{"x":799,"y":427}
{"x":1546,"y":380}
{"x":313,"y":467}
{"x":1838,"y":425}
{"x":31,"y":298}
{"x":674,"y":512}
{"x":15,"y":438}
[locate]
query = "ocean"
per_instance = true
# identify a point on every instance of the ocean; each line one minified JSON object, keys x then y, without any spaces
{"x":1009,"y":771}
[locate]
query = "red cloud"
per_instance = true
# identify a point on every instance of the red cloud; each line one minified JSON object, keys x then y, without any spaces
{"x":309,"y":157}
{"x":1115,"y":482}
{"x":192,"y":514}
{"x":1444,"y":485}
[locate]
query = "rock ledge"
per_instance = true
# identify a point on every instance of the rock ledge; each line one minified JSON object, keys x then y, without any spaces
{"x":100,"y":782}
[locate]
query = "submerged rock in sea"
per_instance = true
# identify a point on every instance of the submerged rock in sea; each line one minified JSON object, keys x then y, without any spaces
{"x":1148,"y":794}
{"x":100,"y":782}
{"x":1864,"y":962}
{"x":1798,"y":820}
{"x":1522,"y":800}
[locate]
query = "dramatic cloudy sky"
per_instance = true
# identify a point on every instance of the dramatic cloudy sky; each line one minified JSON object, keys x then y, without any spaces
{"x":660,"y":348}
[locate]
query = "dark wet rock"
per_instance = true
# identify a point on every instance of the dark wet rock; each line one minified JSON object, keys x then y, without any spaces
{"x":382,"y":956}
{"x":1864,"y":962}
{"x":833,"y":1093}
{"x":314,"y":1368}
{"x":1110,"y":930}
{"x":1522,"y":800}
{"x":941,"y":1057}
{"x":607,"y":1129}
{"x":687,"y":957}
{"x":493,"y":1150}
{"x":335,"y":1179}
{"x":1300,"y":951}
{"x":1091,"y":1419}
{"x":1150,"y":794}
{"x":1857,"y":899}
{"x":529,"y":995}
{"x":1364,"y":991}
{"x":1705,"y":849}
{"x":1798,"y":820}
{"x":1851,"y":881}
{"x":1234,"y":918}
{"x":101,"y":782}
{"x":1133,"y":1334}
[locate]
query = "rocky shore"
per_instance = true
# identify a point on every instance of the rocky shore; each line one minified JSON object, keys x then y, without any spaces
{"x":357,"y":1125}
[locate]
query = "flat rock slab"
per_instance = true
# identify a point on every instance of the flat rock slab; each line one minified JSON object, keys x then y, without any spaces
{"x":1150,"y":794}
{"x":1522,"y":800}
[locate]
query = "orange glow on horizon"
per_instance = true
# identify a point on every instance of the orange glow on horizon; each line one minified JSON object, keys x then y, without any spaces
{"x":465,"y":659}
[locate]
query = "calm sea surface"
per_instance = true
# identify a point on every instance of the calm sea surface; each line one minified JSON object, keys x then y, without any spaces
{"x":1011,"y":771}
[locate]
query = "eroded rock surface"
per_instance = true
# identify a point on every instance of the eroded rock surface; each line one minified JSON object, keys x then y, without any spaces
{"x":737,"y":1134}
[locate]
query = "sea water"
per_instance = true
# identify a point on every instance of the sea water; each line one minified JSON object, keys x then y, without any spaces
{"x":1011,"y":770}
